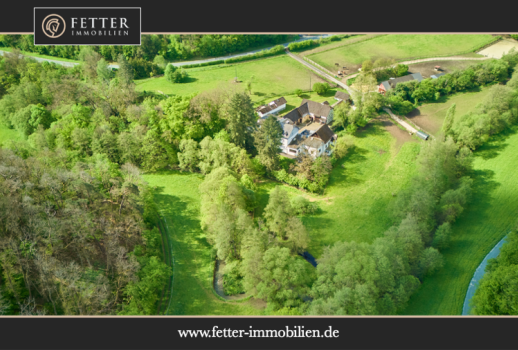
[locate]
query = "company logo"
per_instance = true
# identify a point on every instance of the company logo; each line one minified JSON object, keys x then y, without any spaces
{"x":87,"y":25}
{"x":53,"y":26}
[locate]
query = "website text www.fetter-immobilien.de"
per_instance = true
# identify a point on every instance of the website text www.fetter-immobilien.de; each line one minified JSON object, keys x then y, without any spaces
{"x":288,"y":332}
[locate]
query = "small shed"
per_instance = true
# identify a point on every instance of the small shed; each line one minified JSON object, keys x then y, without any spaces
{"x":422,"y":135}
{"x":437,"y":68}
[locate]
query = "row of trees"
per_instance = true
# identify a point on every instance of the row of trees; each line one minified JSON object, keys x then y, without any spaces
{"x":170,"y":47}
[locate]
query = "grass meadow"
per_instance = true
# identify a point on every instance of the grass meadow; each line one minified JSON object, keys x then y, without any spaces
{"x":9,"y":134}
{"x":270,"y":77}
{"x":430,"y":116}
{"x":400,"y":46}
{"x":178,"y":201}
{"x":489,"y":217}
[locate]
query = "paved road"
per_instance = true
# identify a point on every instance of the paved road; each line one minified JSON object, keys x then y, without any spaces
{"x":321,"y":72}
{"x":63,"y":63}
{"x":407,"y":126}
{"x":427,"y":60}
{"x":302,"y":38}
{"x":71,"y":64}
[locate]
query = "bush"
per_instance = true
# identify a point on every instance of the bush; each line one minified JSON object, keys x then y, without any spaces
{"x":321,"y":88}
{"x":301,"y":205}
{"x":232,"y":279}
{"x":174,"y":74}
{"x":276,"y":50}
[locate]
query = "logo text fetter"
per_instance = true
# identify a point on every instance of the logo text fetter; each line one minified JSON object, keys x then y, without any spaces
{"x":94,"y":20}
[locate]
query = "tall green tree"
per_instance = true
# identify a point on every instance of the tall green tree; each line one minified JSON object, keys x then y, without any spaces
{"x":267,"y":141}
{"x":448,"y":121}
{"x":241,"y":121}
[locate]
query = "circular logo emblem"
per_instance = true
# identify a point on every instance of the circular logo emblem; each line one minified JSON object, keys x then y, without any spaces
{"x":53,"y":26}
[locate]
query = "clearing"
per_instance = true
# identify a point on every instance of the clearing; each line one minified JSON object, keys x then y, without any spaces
{"x":490,"y":215}
{"x":355,"y":205}
{"x":9,"y":134}
{"x":272,"y":77}
{"x":500,"y":48}
{"x":430,"y":116}
{"x":400,"y":46}
{"x":178,"y":200}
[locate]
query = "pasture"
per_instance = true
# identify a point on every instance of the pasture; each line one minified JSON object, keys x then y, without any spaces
{"x":270,"y":77}
{"x":491,"y":213}
{"x":178,"y":200}
{"x":400,"y":46}
{"x":430,"y":116}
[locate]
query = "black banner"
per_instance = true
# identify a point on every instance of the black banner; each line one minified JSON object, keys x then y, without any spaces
{"x":258,"y":333}
{"x":87,"y":26}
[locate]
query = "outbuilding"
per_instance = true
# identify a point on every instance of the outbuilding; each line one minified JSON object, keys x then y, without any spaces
{"x":422,"y":135}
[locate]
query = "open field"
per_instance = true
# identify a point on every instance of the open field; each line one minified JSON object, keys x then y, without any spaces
{"x":9,"y":134}
{"x":354,"y":206}
{"x":500,"y":48}
{"x":178,"y":200}
{"x":399,"y":46}
{"x":271,"y":77}
{"x":427,"y":68}
{"x":430,"y":116}
{"x":490,"y":215}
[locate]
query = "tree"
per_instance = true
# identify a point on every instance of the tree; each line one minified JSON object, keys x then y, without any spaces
{"x":365,"y":83}
{"x":104,"y":72}
{"x":267,"y":141}
{"x":174,"y":74}
{"x":321,"y":88}
{"x":298,"y":92}
{"x":160,"y":61}
{"x":241,"y":120}
{"x":342,"y":146}
{"x":284,"y":278}
{"x":125,"y":72}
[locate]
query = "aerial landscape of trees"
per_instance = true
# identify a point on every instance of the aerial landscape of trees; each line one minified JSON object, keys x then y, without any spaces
{"x":78,"y":222}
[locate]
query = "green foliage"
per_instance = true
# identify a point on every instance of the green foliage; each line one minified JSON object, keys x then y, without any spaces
{"x":276,"y":50}
{"x":174,"y":74}
{"x":301,"y":206}
{"x":232,"y":279}
{"x":267,"y":142}
{"x":321,"y":88}
{"x":241,"y":121}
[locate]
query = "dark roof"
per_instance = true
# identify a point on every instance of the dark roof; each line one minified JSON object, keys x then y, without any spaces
{"x":325,"y":133}
{"x":342,"y":95}
{"x":272,"y":105}
{"x":390,"y":84}
{"x":294,"y":115}
{"x":326,"y":103}
{"x":316,"y":108}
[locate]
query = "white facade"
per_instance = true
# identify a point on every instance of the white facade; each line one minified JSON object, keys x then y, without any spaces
{"x":273,"y":111}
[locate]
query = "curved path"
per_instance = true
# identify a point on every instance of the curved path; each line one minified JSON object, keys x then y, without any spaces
{"x":479,"y":273}
{"x":218,"y":285}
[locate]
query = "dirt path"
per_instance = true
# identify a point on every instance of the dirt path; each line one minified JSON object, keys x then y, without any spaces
{"x":218,"y":283}
{"x":407,"y":126}
{"x":321,"y":72}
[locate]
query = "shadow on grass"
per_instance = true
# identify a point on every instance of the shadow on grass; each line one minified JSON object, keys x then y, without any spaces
{"x":495,"y":145}
{"x":189,"y":79}
{"x":371,"y":129}
{"x":347,"y":176}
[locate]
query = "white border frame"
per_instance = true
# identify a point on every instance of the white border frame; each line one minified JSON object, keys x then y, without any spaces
{"x":34,"y":25}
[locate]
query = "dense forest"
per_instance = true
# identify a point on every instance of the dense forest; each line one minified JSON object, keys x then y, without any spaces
{"x":78,"y":224}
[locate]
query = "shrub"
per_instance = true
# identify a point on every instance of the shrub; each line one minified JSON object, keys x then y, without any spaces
{"x":301,"y":205}
{"x":321,"y":88}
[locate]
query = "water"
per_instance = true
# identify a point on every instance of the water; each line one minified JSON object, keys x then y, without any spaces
{"x":479,"y":272}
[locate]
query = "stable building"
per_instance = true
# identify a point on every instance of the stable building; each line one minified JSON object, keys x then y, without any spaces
{"x":273,"y":107}
{"x":392,"y":82}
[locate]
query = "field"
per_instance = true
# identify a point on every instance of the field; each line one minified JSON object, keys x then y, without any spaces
{"x":430,"y":116}
{"x":399,"y":46}
{"x":354,"y":206}
{"x":178,"y":200}
{"x":491,"y":214}
{"x":9,"y":134}
{"x":427,"y":68}
{"x":271,"y":77}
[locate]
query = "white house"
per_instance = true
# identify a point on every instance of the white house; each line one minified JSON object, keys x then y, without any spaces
{"x":290,"y":131}
{"x":273,"y":107}
{"x":312,"y":142}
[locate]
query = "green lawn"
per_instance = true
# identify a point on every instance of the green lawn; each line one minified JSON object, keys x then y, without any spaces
{"x":34,"y":54}
{"x":178,"y":200}
{"x":430,"y":116}
{"x":489,"y":217}
{"x":9,"y":134}
{"x":400,"y":46}
{"x":354,"y":206}
{"x":272,"y":77}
